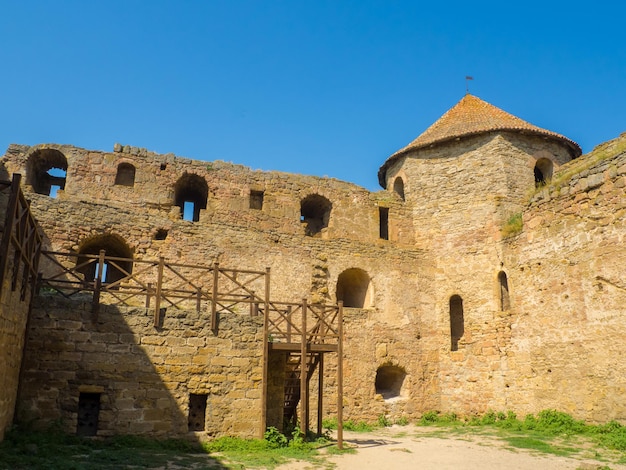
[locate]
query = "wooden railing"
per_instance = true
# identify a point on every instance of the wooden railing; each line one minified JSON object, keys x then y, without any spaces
{"x":21,"y":241}
{"x":155,"y":284}
{"x":286,"y":324}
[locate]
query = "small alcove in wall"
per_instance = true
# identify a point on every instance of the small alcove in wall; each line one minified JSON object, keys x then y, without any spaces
{"x":354,"y":288}
{"x":398,"y":187}
{"x":543,"y":171}
{"x":125,"y":175}
{"x":389,"y":381}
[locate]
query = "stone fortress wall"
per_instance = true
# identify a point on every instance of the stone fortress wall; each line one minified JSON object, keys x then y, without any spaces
{"x":541,"y":311}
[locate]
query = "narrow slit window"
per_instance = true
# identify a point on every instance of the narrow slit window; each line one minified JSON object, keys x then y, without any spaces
{"x":457,"y":322}
{"x":503,"y":284}
{"x":383,"y":215}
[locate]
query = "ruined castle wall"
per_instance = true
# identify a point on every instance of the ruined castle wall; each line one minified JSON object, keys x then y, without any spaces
{"x":568,"y":294}
{"x":239,"y":237}
{"x":91,"y":178}
{"x":144,"y":375}
{"x":13,"y":321}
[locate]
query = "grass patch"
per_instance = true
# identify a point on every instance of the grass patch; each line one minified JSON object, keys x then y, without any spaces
{"x":53,"y":449}
{"x":550,"y":432}
{"x":513,"y":225}
{"x":350,"y":425}
{"x":539,"y":445}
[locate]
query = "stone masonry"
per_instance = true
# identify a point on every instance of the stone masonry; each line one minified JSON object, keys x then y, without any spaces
{"x":445,"y":309}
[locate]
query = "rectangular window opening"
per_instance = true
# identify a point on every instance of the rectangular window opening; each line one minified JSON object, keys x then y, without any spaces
{"x":88,"y":414}
{"x":54,"y":189}
{"x":189,"y":211}
{"x":383,"y":213}
{"x":256,"y":200}
{"x":197,"y":411}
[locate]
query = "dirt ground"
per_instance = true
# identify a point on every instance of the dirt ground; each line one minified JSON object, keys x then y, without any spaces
{"x":408,"y":447}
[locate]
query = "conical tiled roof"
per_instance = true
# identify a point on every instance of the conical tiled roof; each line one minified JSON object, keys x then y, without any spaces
{"x":472,"y":116}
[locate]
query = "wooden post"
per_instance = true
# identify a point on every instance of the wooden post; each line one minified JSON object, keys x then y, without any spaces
{"x":266,"y":313}
{"x":148,"y":292}
{"x":8,"y":226}
{"x":304,"y":398}
{"x":288,"y":313}
{"x":20,"y":231}
{"x":320,"y":393}
{"x":340,"y":375}
{"x":216,"y":273}
{"x":157,"y":295}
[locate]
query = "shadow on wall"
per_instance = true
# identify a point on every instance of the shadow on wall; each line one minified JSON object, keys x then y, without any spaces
{"x":118,"y":374}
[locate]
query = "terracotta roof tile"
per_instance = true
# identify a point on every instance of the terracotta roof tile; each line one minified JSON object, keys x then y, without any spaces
{"x":472,"y":116}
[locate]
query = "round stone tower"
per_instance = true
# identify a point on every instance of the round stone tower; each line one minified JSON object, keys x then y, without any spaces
{"x":472,"y":169}
{"x":462,"y":180}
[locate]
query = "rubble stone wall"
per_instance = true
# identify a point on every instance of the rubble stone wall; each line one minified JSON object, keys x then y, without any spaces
{"x":144,"y":374}
{"x":554,"y":345}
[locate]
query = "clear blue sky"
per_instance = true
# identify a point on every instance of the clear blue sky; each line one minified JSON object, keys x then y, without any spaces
{"x":328,"y":88}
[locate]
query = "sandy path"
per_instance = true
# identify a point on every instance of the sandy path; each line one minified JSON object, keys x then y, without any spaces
{"x":414,"y":450}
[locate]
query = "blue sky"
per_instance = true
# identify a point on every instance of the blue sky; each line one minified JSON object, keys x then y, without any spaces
{"x":328,"y":88}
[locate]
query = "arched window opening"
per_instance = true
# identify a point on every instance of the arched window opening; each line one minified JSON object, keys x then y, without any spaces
{"x":389,"y":381}
{"x":46,"y":171}
{"x":315,"y":213}
{"x":190,"y":194}
{"x":543,"y":171}
{"x":457,"y":323}
{"x":398,"y":187}
{"x":113,"y":269}
{"x":353,"y":288}
{"x":503,"y":285}
{"x":125,"y":175}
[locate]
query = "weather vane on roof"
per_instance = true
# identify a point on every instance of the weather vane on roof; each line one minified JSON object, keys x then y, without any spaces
{"x":467,"y":79}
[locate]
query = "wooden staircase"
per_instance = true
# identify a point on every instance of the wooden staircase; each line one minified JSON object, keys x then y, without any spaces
{"x":292,"y":382}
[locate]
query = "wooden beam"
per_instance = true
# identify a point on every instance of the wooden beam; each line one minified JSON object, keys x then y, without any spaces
{"x":340,"y":376}
{"x":304,"y":417}
{"x":266,"y":353}
{"x":9,"y":222}
{"x":295,"y":347}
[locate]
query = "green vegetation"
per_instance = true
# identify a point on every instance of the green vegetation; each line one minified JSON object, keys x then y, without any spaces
{"x":550,"y":431}
{"x":536,"y":432}
{"x":274,"y":450}
{"x":513,"y":226}
{"x":600,"y":153}
{"x":52,"y":449}
{"x":349,"y":425}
